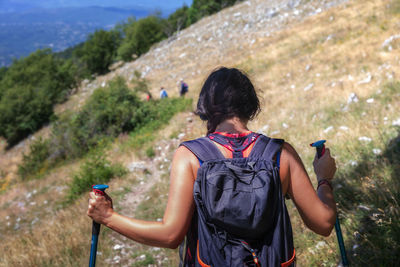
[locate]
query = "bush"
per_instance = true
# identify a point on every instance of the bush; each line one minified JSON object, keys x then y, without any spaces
{"x":28,"y":91}
{"x":95,"y":170}
{"x":150,"y":153}
{"x":36,"y":161}
{"x":108,"y":112}
{"x":3,"y":71}
{"x":140,"y":36}
{"x":177,"y":21}
{"x":99,"y":51}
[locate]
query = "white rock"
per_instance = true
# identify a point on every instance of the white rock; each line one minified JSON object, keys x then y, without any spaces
{"x":353,"y":163}
{"x":116,"y":259}
{"x":396,"y":122}
{"x":370,"y":100}
{"x":118,"y":247}
{"x":377,"y":151}
{"x":308,"y":87}
{"x":318,"y":74}
{"x":103,"y":84}
{"x":140,"y":165}
{"x":344,"y":128}
{"x":284,"y":125}
{"x":388,"y":41}
{"x":365,"y":139}
{"x":181,"y":135}
{"x":352,"y":98}
{"x":350,"y":78}
{"x":361,"y":206}
{"x":366,"y":80}
{"x":328,"y":129}
{"x":142,"y":257}
{"x":320,"y":244}
{"x":35,"y":221}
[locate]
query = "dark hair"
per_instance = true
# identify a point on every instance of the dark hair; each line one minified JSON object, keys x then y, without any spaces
{"x":226,"y":93}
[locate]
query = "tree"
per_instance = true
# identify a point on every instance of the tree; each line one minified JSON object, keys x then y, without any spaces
{"x":3,"y":71}
{"x":99,"y":51}
{"x":29,"y":89}
{"x":177,"y":21}
{"x":140,"y":35}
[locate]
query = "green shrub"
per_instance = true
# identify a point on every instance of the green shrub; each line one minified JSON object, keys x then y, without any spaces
{"x":148,"y":260}
{"x":108,"y":112}
{"x":99,"y":51}
{"x":177,"y":21}
{"x":150,"y":153}
{"x":28,"y":91}
{"x":140,"y":35}
{"x":156,"y":114}
{"x":3,"y":71}
{"x":36,"y":161}
{"x":95,"y":170}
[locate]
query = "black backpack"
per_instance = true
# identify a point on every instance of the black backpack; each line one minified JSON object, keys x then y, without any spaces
{"x":184,"y":88}
{"x":241,"y":217}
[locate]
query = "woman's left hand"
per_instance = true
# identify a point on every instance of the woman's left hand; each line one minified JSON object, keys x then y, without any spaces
{"x":100,"y":207}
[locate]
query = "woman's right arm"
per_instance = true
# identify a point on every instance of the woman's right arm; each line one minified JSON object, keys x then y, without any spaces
{"x":316,"y":208}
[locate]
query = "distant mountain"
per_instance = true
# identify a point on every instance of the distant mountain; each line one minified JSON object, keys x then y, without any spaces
{"x":24,"y":32}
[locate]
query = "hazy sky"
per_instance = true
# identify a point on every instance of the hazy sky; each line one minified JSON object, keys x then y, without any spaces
{"x":15,"y":5}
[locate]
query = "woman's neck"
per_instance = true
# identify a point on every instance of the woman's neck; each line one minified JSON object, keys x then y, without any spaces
{"x":233,"y":125}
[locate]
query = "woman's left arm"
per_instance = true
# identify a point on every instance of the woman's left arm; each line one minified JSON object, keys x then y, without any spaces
{"x":178,"y":214}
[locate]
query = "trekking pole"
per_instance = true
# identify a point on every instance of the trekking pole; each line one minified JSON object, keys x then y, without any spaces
{"x":98,"y":189}
{"x":319,"y":145}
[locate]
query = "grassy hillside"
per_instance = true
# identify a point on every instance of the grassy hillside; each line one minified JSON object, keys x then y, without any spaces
{"x":333,"y":75}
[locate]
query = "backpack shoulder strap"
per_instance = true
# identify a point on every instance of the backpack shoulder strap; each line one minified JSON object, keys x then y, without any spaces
{"x":203,"y":148}
{"x":266,"y":147}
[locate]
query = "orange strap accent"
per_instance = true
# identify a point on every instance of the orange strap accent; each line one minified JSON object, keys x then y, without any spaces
{"x":248,"y":149}
{"x":286,"y":264}
{"x":202,"y":264}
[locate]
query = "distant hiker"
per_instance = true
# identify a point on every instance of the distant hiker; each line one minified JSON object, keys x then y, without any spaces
{"x":184,"y":88}
{"x":227,"y":189}
{"x":163,"y":93}
{"x":148,"y":96}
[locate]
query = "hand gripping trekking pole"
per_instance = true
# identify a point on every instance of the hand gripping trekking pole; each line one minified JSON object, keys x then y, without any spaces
{"x":319,"y":145}
{"x":98,"y":189}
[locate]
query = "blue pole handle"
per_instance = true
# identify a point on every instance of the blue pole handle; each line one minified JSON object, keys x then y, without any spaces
{"x":100,"y":188}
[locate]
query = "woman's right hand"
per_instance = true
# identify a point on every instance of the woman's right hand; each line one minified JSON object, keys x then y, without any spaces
{"x":325,"y":166}
{"x":100,"y":207}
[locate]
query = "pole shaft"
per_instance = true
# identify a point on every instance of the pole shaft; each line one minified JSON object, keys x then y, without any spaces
{"x":341,"y":243}
{"x":93,"y":246}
